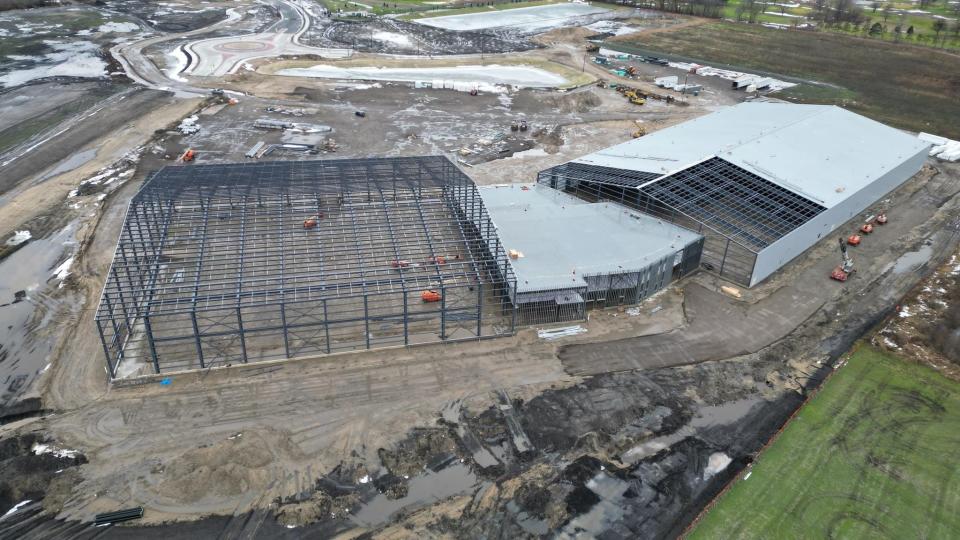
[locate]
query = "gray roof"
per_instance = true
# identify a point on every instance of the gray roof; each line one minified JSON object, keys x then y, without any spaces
{"x":821,"y":152}
{"x":563,"y":237}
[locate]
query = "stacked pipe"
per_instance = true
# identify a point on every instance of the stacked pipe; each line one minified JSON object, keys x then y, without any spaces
{"x":118,"y":516}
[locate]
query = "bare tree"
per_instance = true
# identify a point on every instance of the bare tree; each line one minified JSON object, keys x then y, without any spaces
{"x":939,"y":25}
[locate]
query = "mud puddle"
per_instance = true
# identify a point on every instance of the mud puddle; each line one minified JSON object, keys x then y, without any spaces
{"x":707,"y":416}
{"x":422,"y":490}
{"x":28,"y":306}
{"x":912,"y":260}
{"x":71,"y":163}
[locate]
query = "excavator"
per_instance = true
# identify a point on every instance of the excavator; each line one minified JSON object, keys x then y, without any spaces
{"x":842,"y":272}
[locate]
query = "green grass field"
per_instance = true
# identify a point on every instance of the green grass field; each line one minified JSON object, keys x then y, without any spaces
{"x":922,"y":24}
{"x":873,"y":455}
{"x":915,"y":88}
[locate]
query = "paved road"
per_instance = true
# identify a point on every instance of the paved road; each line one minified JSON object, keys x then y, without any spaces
{"x":221,"y":56}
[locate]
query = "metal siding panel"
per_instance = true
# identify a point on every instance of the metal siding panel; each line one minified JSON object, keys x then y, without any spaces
{"x":822,"y":226}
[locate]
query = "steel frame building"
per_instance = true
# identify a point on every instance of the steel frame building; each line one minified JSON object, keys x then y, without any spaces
{"x":762,"y":182}
{"x":216,"y":265}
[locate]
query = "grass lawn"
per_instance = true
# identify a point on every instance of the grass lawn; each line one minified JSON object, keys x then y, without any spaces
{"x":910,"y":87}
{"x":922,"y":23}
{"x":873,"y":455}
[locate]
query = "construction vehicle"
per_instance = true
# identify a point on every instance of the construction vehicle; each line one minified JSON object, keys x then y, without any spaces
{"x":632,"y":71}
{"x":312,"y":221}
{"x":881,"y":218}
{"x":637,"y":100}
{"x":187,"y":156}
{"x":866,"y":228}
{"x":854,"y":239}
{"x":601,"y":83}
{"x":430,"y":296}
{"x":842,"y":272}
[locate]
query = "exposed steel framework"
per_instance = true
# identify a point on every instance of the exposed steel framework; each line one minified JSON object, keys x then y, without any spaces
{"x":218,"y":264}
{"x":738,"y":213}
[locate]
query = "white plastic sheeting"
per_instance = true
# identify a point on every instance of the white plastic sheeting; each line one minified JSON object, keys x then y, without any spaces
{"x":943,"y":148}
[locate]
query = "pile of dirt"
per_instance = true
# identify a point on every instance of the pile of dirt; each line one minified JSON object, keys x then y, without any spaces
{"x":392,"y":36}
{"x":414,"y":453}
{"x":332,"y":497}
{"x":926,"y":325}
{"x":230,"y":467}
{"x":34,"y":467}
{"x":577,"y":102}
{"x":574,"y":34}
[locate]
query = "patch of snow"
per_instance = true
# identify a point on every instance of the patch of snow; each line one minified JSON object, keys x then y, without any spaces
{"x":40,"y":449}
{"x":189,"y":125}
{"x":365,"y":479}
{"x":479,"y":76}
{"x":16,"y":507}
{"x":76,"y":59}
{"x":531,"y":18}
{"x":18,"y":238}
{"x":393,"y":37}
{"x":533,"y":152}
{"x":179,"y":63}
{"x":613,"y":27}
{"x":118,"y":27}
{"x":905,"y":312}
{"x":778,"y":14}
{"x":62,"y":271}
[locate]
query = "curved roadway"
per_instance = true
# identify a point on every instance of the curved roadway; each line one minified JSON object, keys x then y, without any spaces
{"x":221,"y":56}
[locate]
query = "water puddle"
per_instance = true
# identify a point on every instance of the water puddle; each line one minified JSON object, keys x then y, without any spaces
{"x":71,"y":163}
{"x":912,"y":260}
{"x":707,"y":416}
{"x":26,"y":308}
{"x":609,"y":510}
{"x":422,"y":490}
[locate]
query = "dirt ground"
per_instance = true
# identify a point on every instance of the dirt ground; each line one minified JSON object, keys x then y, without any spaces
{"x":607,"y":433}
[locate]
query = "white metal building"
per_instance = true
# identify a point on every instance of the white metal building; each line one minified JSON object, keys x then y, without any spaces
{"x":761,"y":181}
